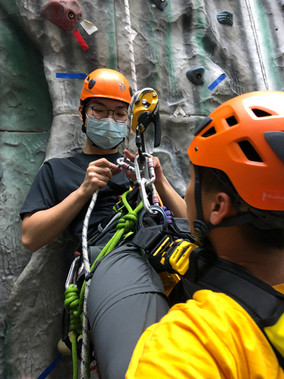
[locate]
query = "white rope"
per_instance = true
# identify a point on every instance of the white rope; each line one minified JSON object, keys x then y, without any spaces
{"x":132,"y":64}
{"x":130,"y":45}
{"x":254,"y":28}
{"x":85,"y":326}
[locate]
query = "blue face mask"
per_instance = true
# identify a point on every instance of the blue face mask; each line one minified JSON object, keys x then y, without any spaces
{"x":105,"y":133}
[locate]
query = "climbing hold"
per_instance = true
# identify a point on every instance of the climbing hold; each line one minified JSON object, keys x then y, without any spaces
{"x":195,"y":75}
{"x":160,"y":4}
{"x":63,"y":13}
{"x":225,"y":17}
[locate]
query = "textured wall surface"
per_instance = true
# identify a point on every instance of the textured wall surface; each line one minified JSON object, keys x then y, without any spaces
{"x":39,"y":120}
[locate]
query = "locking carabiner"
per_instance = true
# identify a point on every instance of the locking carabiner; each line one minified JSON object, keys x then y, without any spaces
{"x":147,"y":180}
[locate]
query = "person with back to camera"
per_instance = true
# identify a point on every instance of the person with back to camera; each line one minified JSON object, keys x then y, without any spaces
{"x":232,"y":325}
{"x":61,"y":192}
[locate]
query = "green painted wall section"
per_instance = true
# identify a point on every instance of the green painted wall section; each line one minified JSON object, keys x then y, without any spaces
{"x":25,"y":121}
{"x":25,"y":101}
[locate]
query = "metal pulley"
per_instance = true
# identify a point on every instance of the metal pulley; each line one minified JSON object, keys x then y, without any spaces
{"x":144,"y":109}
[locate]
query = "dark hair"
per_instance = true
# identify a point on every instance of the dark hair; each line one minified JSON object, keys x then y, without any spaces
{"x":213,"y":179}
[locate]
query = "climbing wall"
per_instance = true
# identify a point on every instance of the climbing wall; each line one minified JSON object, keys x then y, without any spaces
{"x":194,"y":53}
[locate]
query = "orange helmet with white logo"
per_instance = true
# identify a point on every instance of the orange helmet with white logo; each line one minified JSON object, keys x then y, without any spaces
{"x":106,"y":83}
{"x":244,"y":138}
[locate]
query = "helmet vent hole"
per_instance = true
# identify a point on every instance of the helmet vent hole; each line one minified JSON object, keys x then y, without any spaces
{"x":260,"y":113}
{"x":210,"y":132}
{"x":231,"y":121}
{"x":249,"y":151}
{"x":91,"y":83}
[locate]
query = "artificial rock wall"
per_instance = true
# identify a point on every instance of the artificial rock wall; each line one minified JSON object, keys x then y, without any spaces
{"x":191,"y":52}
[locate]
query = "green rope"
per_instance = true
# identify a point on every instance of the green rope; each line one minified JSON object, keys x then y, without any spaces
{"x":74,"y":356}
{"x":124,"y":225}
{"x":72,"y":306}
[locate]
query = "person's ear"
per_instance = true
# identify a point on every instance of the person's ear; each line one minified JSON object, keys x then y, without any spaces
{"x":221,"y":208}
{"x":80,"y":111}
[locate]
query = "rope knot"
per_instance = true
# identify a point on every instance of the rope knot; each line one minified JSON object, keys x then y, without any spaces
{"x":72,"y":306}
{"x":127,"y":222}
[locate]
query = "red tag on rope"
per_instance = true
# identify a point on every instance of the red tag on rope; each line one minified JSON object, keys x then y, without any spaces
{"x":80,"y":39}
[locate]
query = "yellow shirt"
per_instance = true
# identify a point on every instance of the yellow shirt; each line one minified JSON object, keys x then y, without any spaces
{"x":210,"y":336}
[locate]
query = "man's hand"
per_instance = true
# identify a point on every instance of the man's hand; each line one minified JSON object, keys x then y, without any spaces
{"x":97,"y":175}
{"x":42,"y":227}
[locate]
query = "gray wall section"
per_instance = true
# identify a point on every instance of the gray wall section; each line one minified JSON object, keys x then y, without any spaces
{"x":39,"y":120}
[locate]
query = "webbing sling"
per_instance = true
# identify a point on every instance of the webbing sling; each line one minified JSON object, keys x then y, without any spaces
{"x":262,"y":302}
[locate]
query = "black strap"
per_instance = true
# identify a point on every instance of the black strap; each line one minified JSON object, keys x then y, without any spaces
{"x":263,"y":303}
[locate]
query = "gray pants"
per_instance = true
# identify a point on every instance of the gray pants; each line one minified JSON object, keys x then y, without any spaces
{"x":126,"y":296}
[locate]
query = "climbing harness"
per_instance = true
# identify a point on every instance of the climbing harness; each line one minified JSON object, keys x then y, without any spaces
{"x":191,"y":268}
{"x":199,"y":269}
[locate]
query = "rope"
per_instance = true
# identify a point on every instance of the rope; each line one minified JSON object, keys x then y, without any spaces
{"x":76,"y":304}
{"x":132,"y":65}
{"x":252,"y":18}
{"x":85,"y":328}
{"x":130,"y":45}
{"x":72,"y":305}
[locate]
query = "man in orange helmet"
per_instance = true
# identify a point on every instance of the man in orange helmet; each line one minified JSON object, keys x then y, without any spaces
{"x":59,"y":197}
{"x":232,"y":325}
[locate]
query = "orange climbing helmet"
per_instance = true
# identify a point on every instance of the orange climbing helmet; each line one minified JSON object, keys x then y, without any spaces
{"x":106,"y":83}
{"x":244,"y":138}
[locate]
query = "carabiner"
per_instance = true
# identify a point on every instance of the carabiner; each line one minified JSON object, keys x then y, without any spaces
{"x":125,"y":163}
{"x":72,"y":273}
{"x":146,"y":181}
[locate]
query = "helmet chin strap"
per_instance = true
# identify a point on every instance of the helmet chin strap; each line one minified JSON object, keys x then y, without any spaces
{"x":201,"y":228}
